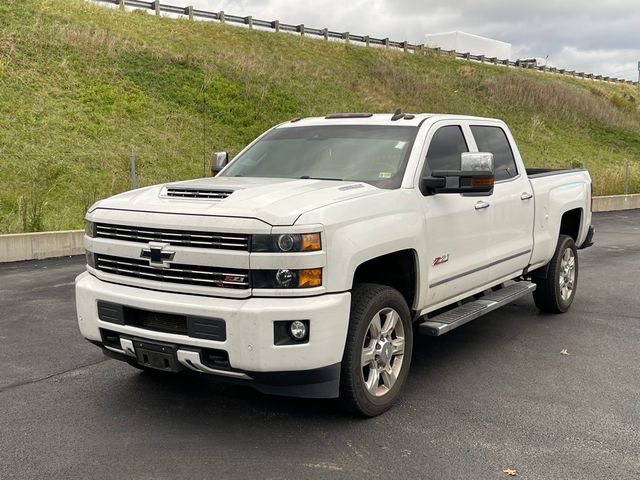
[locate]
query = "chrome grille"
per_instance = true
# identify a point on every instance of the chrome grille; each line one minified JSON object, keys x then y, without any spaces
{"x":176,"y":273}
{"x":198,"y":193}
{"x":221,"y":241}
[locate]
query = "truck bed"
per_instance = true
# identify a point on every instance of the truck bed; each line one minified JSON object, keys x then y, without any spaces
{"x":545,"y":172}
{"x":557,"y":191}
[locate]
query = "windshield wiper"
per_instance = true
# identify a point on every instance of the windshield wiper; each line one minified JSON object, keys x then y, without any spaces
{"x":307,"y":177}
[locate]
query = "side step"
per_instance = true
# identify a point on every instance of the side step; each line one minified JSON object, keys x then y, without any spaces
{"x":469,"y":311}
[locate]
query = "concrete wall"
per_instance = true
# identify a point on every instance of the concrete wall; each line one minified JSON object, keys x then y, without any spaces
{"x":616,"y":202}
{"x":31,"y":246}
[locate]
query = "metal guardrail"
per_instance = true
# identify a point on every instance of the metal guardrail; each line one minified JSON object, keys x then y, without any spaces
{"x":347,"y":37}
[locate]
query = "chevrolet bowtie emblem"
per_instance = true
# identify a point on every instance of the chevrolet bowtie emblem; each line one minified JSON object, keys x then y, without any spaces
{"x":157,"y":255}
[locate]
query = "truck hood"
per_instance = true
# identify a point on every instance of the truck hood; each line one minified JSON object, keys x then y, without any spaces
{"x":276,"y":201}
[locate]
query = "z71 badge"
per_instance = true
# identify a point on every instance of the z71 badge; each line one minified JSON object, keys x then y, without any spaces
{"x":442,"y":259}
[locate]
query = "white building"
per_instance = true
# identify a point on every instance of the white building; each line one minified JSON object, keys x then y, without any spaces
{"x":468,"y":43}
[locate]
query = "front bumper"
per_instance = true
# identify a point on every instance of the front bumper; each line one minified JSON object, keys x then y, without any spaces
{"x":249,"y":342}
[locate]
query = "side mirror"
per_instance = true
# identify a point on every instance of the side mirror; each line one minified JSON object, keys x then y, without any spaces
{"x":476,"y":162}
{"x":220,"y":160}
{"x":475,"y":176}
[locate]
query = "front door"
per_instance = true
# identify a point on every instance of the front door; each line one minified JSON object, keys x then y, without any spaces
{"x":457,"y":234}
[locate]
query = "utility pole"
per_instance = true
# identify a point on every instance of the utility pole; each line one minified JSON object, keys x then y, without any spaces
{"x":132,"y":161}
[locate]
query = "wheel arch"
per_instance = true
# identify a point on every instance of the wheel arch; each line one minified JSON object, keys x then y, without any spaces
{"x":571,"y":223}
{"x":398,"y":269}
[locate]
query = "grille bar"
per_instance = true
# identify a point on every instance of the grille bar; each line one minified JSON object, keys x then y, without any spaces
{"x":197,"y":193}
{"x":174,"y":237}
{"x":176,"y":273}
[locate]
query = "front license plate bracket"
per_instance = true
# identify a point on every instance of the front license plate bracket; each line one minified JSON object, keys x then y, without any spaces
{"x":157,"y":355}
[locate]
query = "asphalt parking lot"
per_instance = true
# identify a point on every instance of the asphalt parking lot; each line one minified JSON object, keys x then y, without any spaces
{"x":492,"y":395}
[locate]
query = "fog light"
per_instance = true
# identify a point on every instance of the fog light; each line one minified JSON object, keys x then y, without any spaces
{"x":285,"y":278}
{"x":298,"y":330}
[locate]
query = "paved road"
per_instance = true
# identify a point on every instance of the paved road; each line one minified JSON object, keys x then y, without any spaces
{"x":491,"y":395}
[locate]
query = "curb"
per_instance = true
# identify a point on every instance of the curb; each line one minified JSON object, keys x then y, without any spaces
{"x":35,"y":246}
{"x":613,"y":203}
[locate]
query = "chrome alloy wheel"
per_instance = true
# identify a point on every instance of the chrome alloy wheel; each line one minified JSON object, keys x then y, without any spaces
{"x":382,"y":352}
{"x":567,"y":275}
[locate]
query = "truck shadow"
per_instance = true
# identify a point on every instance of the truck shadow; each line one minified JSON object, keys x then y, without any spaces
{"x":200,"y":400}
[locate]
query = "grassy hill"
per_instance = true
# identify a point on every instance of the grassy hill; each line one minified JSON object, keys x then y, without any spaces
{"x":80,"y":85}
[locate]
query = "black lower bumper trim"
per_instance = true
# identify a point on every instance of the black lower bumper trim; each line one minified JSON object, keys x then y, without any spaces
{"x":321,"y":382}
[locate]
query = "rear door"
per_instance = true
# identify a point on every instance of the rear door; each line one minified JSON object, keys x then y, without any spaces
{"x":511,"y":209}
{"x":457,"y":237}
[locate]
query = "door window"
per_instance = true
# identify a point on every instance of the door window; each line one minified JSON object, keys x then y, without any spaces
{"x":494,"y":140}
{"x":445,"y":148}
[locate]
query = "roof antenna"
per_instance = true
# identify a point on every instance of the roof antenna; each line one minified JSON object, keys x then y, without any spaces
{"x":397,"y":115}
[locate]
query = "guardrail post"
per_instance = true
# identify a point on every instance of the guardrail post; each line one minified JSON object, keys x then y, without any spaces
{"x":249,"y":21}
{"x":345,"y":37}
{"x":626,"y":179}
{"x":420,"y":49}
{"x":121,"y":5}
{"x":276,"y":25}
{"x":132,"y":161}
{"x":190,"y":12}
{"x":221,"y":16}
{"x":366,"y":40}
{"x":404,"y":46}
{"x":467,"y":55}
{"x":157,"y":7}
{"x":325,"y":33}
{"x":300,"y":29}
{"x":386,"y":42}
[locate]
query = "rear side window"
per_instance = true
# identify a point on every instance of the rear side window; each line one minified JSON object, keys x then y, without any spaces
{"x":494,"y":140}
{"x":446,"y":146}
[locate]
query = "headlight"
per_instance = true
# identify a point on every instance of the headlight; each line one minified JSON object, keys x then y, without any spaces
{"x":286,"y":242}
{"x":89,"y":228}
{"x":286,"y":278}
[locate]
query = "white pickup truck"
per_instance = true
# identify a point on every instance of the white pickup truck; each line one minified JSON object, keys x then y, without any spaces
{"x":304,"y":267}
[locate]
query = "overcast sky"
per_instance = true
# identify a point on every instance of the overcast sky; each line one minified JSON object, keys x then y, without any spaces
{"x":601,"y":37}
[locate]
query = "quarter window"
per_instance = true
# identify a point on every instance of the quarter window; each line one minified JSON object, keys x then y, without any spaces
{"x":494,"y":140}
{"x":445,"y":148}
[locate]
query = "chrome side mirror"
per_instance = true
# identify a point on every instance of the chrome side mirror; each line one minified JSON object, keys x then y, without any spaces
{"x":476,"y":162}
{"x":475,"y":176}
{"x":220,"y":160}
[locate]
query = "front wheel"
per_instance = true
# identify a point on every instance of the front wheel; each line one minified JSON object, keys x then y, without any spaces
{"x":378,"y":349}
{"x":555,"y":293}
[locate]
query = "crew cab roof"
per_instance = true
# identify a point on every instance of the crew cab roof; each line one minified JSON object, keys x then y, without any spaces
{"x":414,"y":120}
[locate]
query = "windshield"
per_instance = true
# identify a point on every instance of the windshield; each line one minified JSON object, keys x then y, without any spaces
{"x":374,"y":154}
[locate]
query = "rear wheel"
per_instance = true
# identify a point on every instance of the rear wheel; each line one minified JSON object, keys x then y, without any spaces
{"x":555,"y":293}
{"x":378,"y":349}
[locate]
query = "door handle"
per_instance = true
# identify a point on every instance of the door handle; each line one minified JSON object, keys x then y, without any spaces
{"x":481,"y":205}
{"x":526,"y":196}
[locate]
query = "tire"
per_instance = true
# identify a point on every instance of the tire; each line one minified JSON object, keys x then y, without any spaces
{"x":555,"y":293}
{"x":373,"y":388}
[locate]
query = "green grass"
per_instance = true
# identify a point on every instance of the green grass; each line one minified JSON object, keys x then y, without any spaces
{"x":80,"y":85}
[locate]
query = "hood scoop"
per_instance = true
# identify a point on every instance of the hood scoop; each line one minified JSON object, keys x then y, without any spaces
{"x":192,"y":192}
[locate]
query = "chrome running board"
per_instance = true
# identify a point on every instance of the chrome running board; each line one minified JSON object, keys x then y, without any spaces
{"x":451,"y":319}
